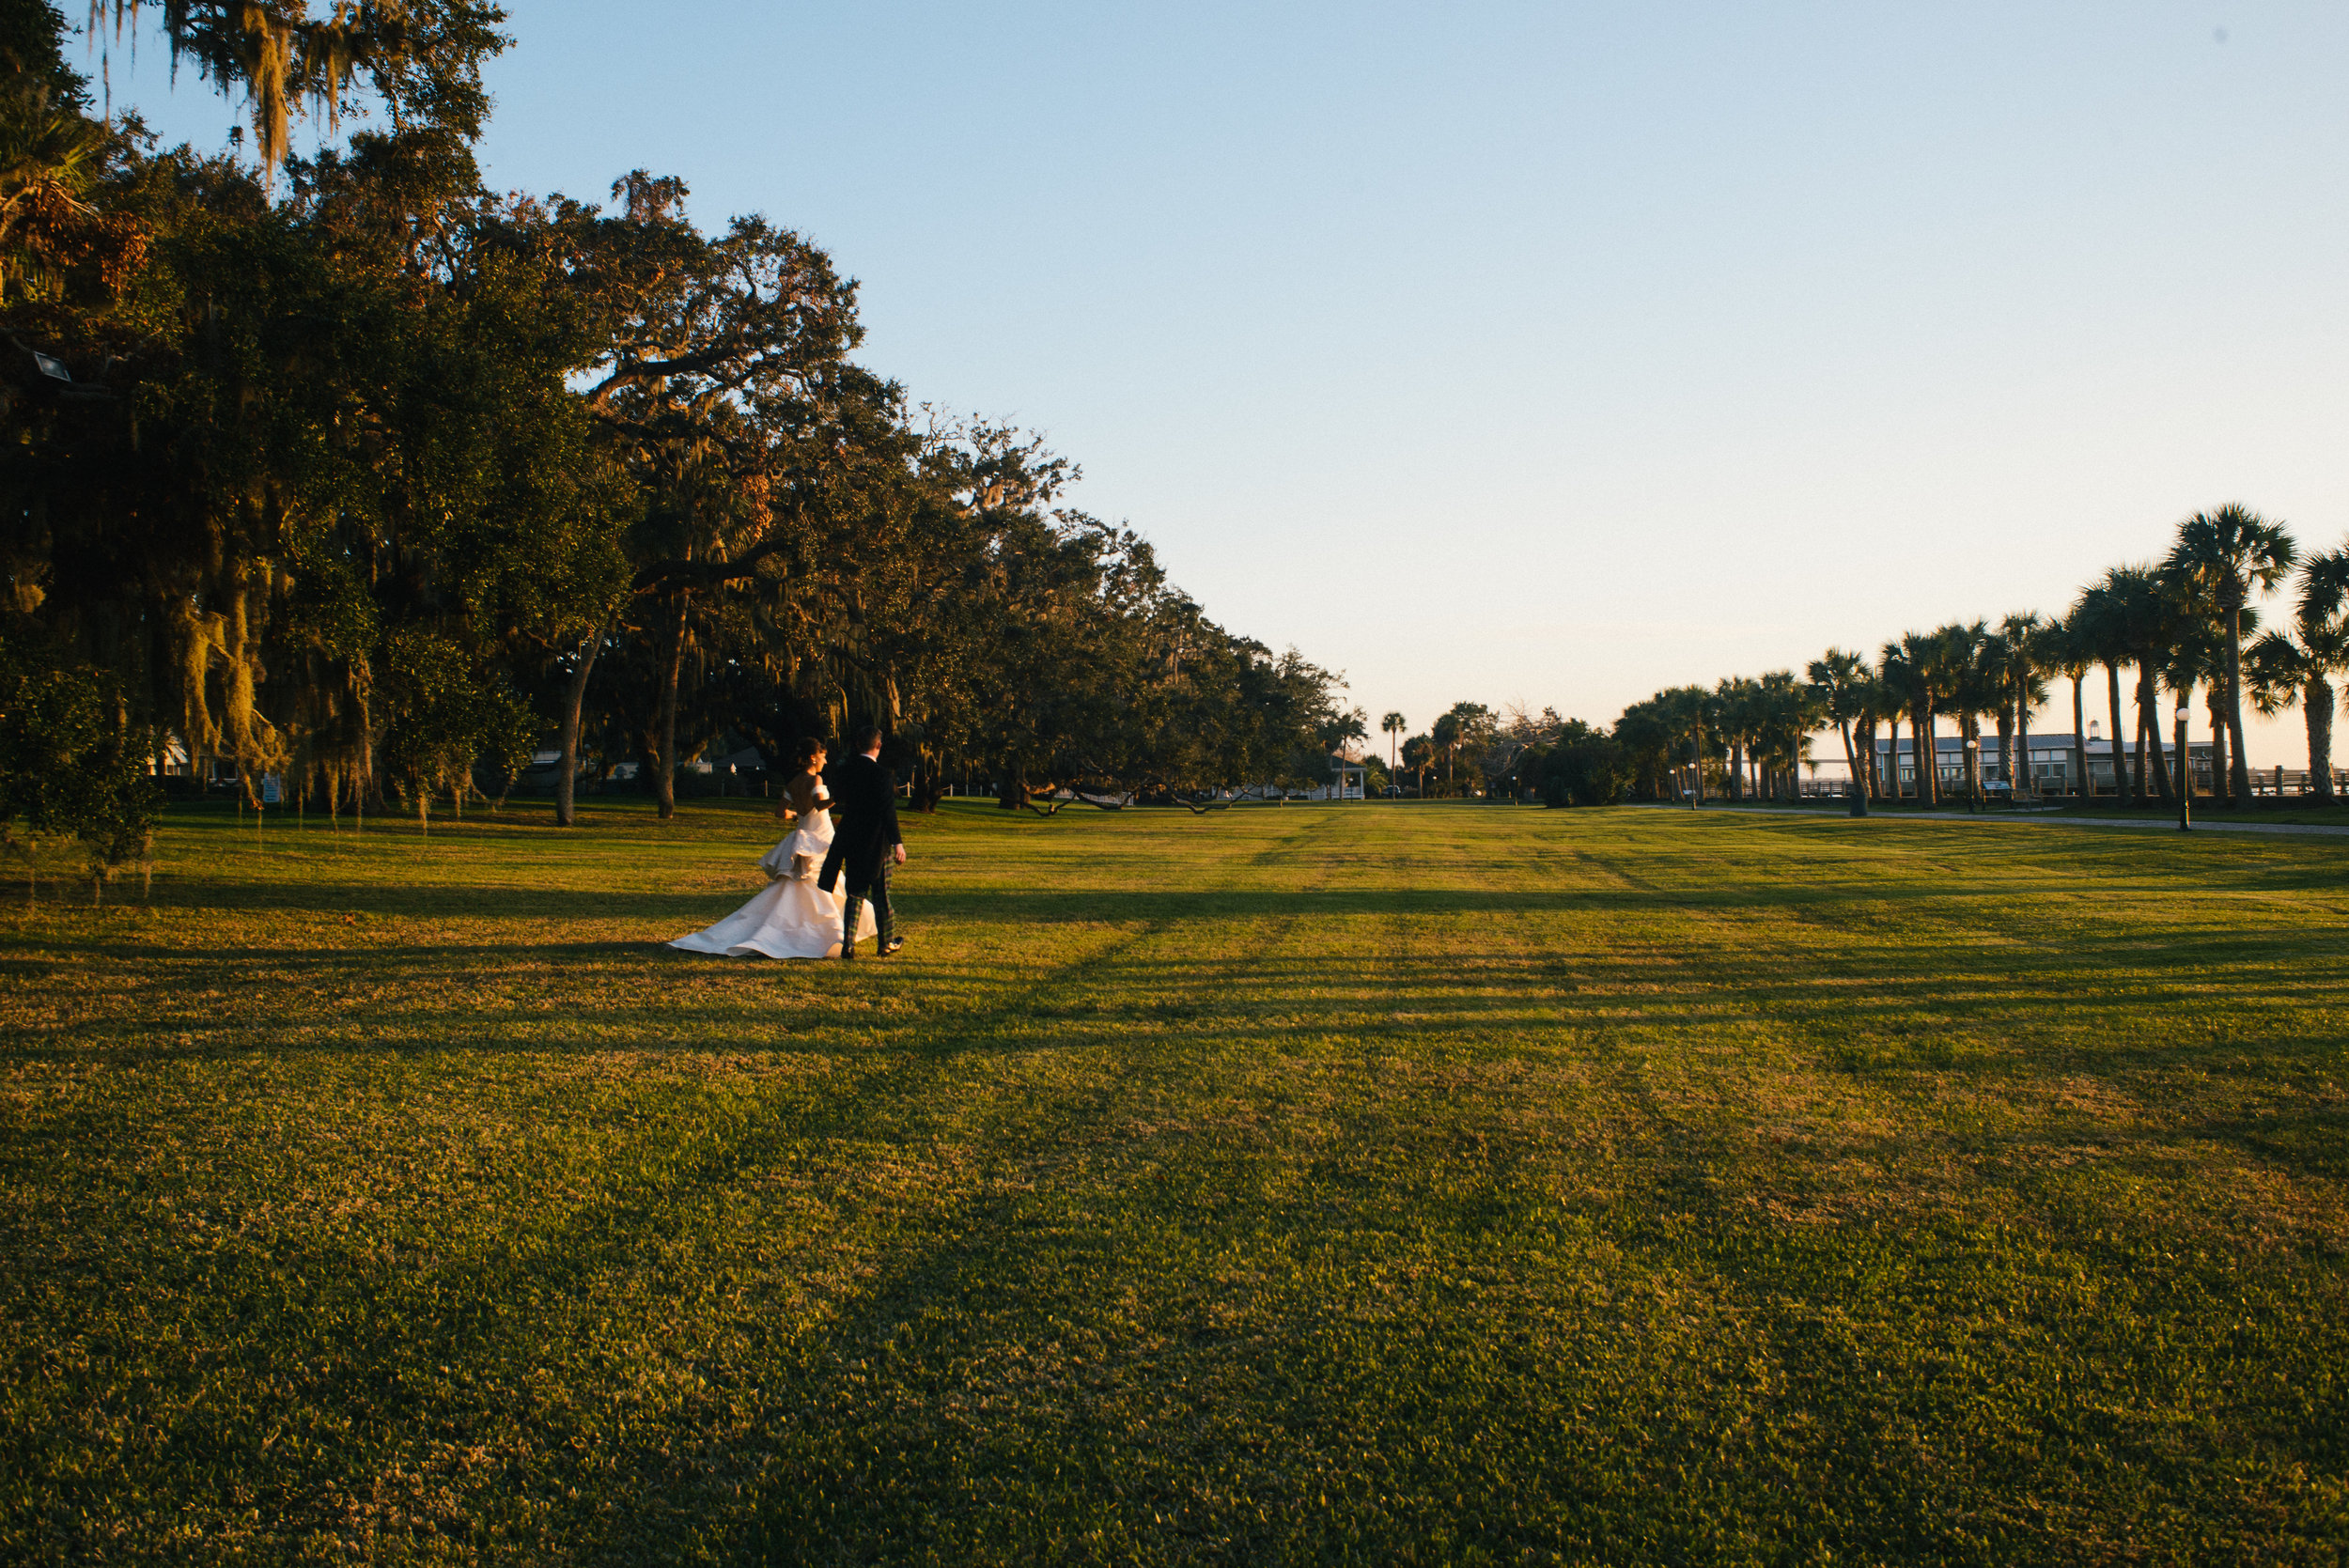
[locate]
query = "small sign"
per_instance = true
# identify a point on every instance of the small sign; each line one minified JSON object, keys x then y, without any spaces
{"x":270,"y":791}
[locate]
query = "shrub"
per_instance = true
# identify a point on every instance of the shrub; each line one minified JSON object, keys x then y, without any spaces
{"x":1587,"y":767}
{"x":70,"y":768}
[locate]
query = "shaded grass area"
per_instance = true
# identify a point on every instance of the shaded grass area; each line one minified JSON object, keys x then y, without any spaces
{"x":1380,"y":1183}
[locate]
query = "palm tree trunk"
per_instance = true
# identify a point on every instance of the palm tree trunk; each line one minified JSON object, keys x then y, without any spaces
{"x":2316,"y":701}
{"x":2137,"y":766}
{"x":2006,"y":751}
{"x":1893,"y":757}
{"x":2019,"y":764}
{"x":2148,"y":758}
{"x":2239,"y":771}
{"x":574,"y":701}
{"x":2219,"y":784}
{"x":1927,"y":745}
{"x":1859,"y":791}
{"x":664,"y":724}
{"x":2120,"y":736}
{"x":2079,"y":737}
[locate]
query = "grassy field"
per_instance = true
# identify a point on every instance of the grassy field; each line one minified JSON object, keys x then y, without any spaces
{"x":1386,"y":1183}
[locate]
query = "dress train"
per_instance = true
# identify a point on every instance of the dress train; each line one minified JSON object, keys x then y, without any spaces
{"x":790,"y":917}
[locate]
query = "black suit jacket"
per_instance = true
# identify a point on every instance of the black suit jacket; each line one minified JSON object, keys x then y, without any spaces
{"x":864,"y":815}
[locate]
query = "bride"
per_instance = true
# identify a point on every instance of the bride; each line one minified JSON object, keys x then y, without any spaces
{"x":791,"y":917}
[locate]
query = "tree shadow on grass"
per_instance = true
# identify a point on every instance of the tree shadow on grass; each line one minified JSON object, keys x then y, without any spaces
{"x":1163,"y":1345}
{"x":1624,"y":889}
{"x":1866,"y":1009}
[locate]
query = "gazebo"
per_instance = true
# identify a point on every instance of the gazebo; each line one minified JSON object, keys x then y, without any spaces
{"x":1349,"y":782}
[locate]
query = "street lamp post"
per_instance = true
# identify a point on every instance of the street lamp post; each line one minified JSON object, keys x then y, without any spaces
{"x":1973,"y":776}
{"x":2185,"y":774}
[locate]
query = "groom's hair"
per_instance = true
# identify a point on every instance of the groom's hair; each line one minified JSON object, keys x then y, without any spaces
{"x":867,"y":736}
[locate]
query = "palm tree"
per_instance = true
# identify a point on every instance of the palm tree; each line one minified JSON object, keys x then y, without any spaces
{"x":1867,"y":694}
{"x":1691,"y":710}
{"x":2022,"y":662}
{"x":2099,"y":621}
{"x":1841,"y":681}
{"x":1934,"y":663}
{"x":1897,"y":675}
{"x":2296,"y":667}
{"x":2198,"y":656}
{"x":2229,"y":555}
{"x":1972,"y":666}
{"x":2150,"y":616}
{"x":1736,"y":711}
{"x":1393,"y":725}
{"x":1419,"y":755}
{"x":1790,"y":711}
{"x":1445,"y":733}
{"x":2063,"y":651}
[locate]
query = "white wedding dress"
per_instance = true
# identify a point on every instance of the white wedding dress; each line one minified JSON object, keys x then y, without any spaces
{"x":791,"y":917}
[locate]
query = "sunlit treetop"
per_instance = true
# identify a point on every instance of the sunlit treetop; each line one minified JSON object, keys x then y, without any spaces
{"x":421,"y":59}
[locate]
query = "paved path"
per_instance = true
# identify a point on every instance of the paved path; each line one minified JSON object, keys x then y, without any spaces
{"x":2201,"y":824}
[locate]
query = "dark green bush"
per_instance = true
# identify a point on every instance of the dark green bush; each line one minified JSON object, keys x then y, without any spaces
{"x":1586,"y":768}
{"x":70,"y":768}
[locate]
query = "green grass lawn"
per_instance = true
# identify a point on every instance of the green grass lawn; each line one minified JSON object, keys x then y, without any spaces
{"x":1378,"y":1183}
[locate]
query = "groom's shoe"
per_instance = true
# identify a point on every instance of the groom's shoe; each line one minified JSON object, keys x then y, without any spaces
{"x":891,"y":947}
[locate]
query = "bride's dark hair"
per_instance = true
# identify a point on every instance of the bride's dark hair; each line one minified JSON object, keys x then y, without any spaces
{"x":799,"y":789}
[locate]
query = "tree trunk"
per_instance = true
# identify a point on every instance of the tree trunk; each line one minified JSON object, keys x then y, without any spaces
{"x":2018,"y":775}
{"x":574,"y":701}
{"x":2079,"y":737}
{"x":929,"y":787}
{"x":1859,"y":791}
{"x":2149,"y":757}
{"x":2006,"y":751}
{"x":2316,"y":701}
{"x":1926,"y":744}
{"x":361,"y":781}
{"x":2137,"y":767}
{"x":2120,"y":736}
{"x":1012,"y":794}
{"x":664,"y":725}
{"x":1892,"y":758}
{"x":2239,"y":771}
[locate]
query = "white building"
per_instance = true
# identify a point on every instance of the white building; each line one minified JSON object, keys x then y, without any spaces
{"x":2055,"y":762}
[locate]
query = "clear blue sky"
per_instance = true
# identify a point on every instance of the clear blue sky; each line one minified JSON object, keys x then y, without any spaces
{"x":1550,"y":353}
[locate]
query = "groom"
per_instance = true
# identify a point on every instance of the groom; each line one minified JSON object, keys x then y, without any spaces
{"x":866,"y":840}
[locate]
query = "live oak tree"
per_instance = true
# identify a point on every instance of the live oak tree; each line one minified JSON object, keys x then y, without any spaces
{"x":343,"y":467}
